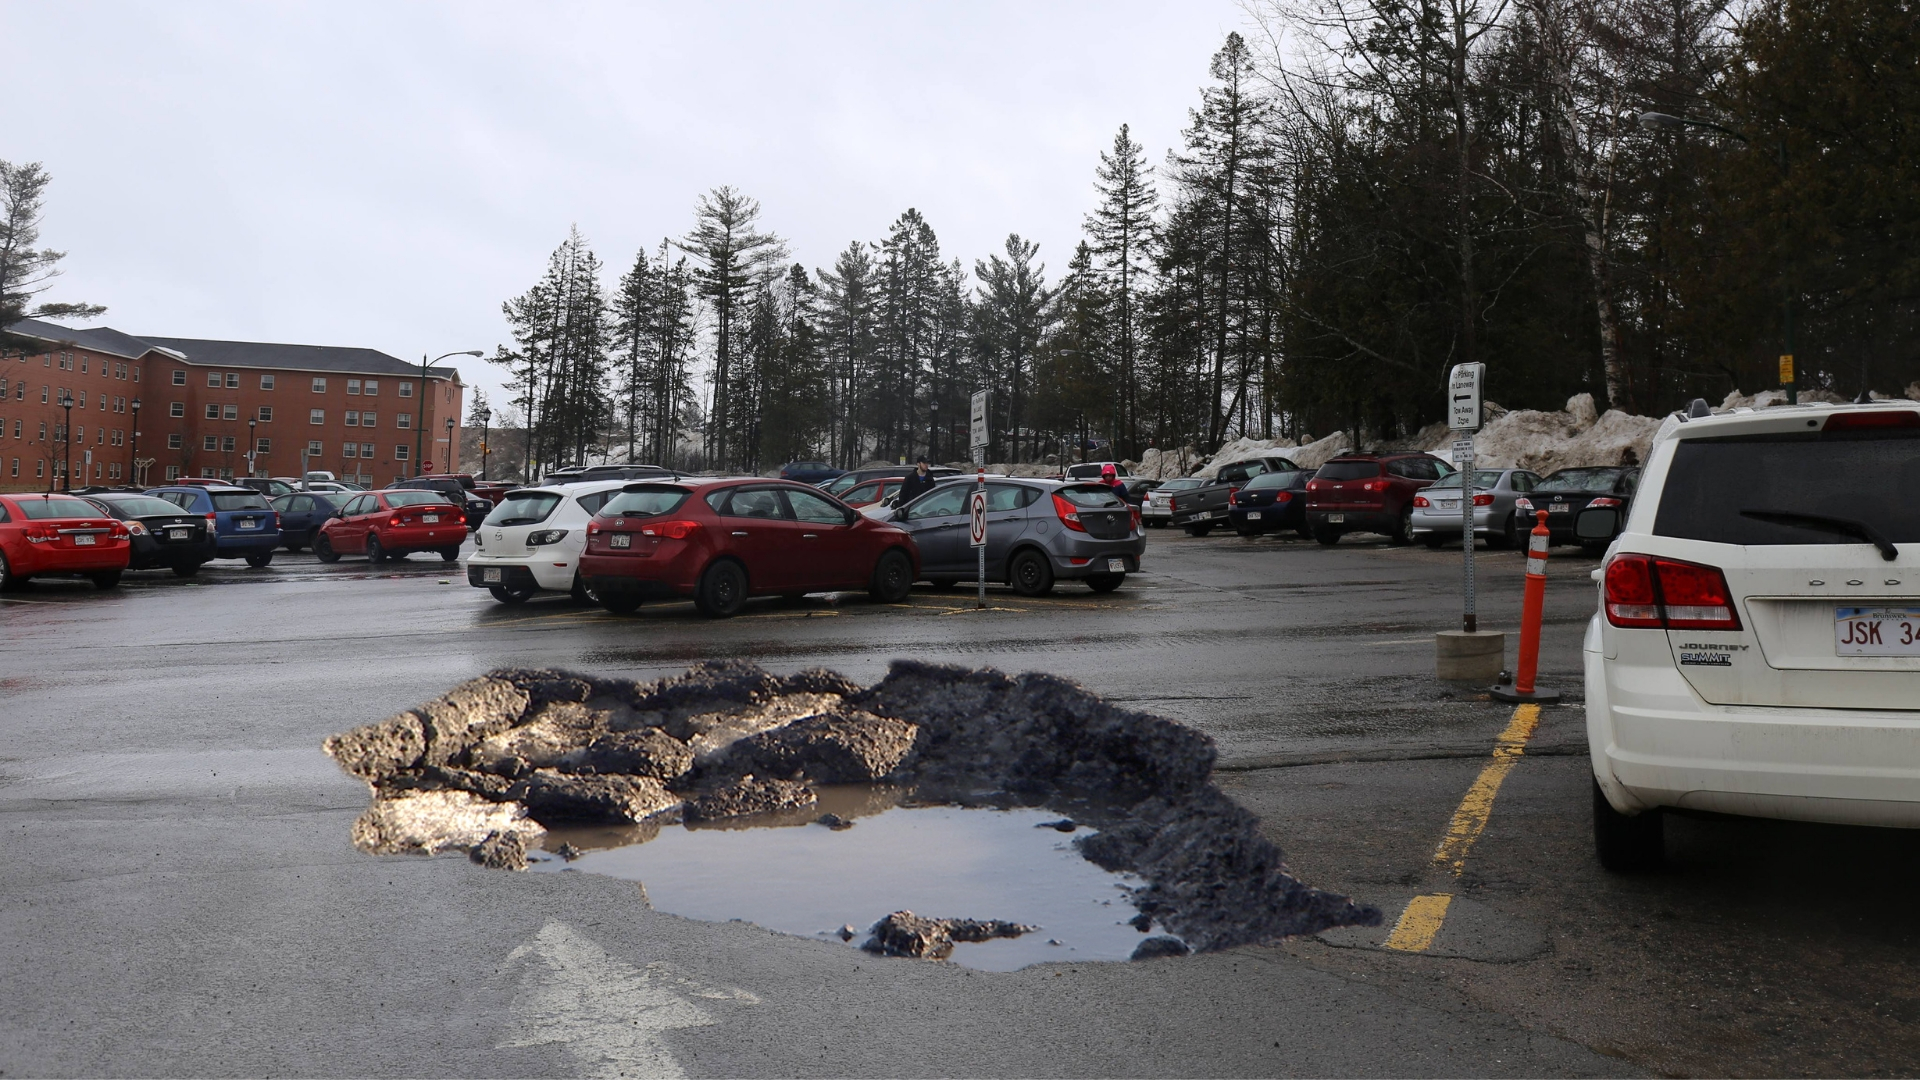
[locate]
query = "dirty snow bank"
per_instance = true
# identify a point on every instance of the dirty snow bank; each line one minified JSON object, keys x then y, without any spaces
{"x":486,"y":766}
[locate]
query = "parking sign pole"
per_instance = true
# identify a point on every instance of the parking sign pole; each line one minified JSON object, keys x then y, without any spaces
{"x":1463,"y":457}
{"x":978,"y":433}
{"x":1464,"y":386}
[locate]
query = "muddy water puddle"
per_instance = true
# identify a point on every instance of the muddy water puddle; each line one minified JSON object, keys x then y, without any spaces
{"x":797,"y":876}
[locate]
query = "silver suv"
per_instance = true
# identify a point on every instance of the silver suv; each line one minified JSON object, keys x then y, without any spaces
{"x":1038,"y":531}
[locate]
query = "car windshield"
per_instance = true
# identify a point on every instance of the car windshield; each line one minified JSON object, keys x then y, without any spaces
{"x":1482,"y":479}
{"x":649,"y":501}
{"x":252,"y":500}
{"x":1581,"y":480}
{"x":414,"y":498}
{"x":1348,"y":470}
{"x":1091,"y":498}
{"x":142,"y":506}
{"x":524,"y":508}
{"x":1871,"y":478}
{"x":1271,"y":480}
{"x":57,"y":506}
{"x":1181,"y":484}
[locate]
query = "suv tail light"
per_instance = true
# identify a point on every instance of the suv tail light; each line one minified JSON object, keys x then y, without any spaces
{"x":1316,"y":485}
{"x":1667,"y":594}
{"x":212,"y":519}
{"x":672,"y":530}
{"x":1483,"y":499}
{"x":1069,"y":516}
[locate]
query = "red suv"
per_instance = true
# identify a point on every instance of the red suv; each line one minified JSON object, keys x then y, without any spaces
{"x":721,"y":541}
{"x":1369,"y":493}
{"x":59,"y":534}
{"x":392,"y":525}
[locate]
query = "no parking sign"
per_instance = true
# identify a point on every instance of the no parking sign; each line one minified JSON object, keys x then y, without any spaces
{"x":977,"y":527}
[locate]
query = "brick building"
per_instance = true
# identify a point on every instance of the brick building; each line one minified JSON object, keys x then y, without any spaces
{"x":204,"y":405}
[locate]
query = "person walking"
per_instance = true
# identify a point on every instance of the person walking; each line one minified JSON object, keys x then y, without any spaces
{"x":1111,"y":477}
{"x":917,"y":484}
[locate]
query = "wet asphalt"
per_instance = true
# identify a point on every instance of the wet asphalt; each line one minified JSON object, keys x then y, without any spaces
{"x":180,"y":896}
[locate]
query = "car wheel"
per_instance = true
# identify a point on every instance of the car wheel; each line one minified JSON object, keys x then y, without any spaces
{"x":509,"y":596}
{"x":1105,"y":583}
{"x":1403,"y":530}
{"x":624,"y":603}
{"x":1432,"y":540}
{"x":106,"y":579}
{"x":449,"y":554}
{"x":186,"y":569}
{"x":323,"y":549}
{"x":1625,"y":844}
{"x":1304,"y":533}
{"x":892,"y":577}
{"x":1030,"y":574}
{"x":1242,"y":530}
{"x":1326,"y":537}
{"x":375,"y":553}
{"x":7,"y":578}
{"x":578,"y":591}
{"x":259,"y":559}
{"x":722,"y":591}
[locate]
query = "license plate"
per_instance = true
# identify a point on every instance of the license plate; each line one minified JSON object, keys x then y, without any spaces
{"x":179,"y":534}
{"x":1116,"y":566}
{"x":1204,"y":514}
{"x":84,"y":539}
{"x":490,"y":574}
{"x":249,"y":523}
{"x":430,"y":519}
{"x":1876,"y":631}
{"x":1448,"y":504}
{"x":621,"y":540}
{"x":1557,"y":508}
{"x":1253,"y":515}
{"x":1336,"y":519}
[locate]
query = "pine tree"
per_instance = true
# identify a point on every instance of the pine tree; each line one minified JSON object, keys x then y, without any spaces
{"x":1121,"y":229}
{"x":734,"y":259}
{"x":1012,"y":316}
{"x":26,"y":272}
{"x":848,"y":341}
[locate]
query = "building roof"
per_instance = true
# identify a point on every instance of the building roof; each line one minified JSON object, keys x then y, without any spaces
{"x":240,"y":354}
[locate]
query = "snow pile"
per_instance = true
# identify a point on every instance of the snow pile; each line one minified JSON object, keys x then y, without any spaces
{"x":1547,"y":441}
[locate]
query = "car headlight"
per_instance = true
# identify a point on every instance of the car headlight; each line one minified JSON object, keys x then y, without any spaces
{"x":546,"y":536}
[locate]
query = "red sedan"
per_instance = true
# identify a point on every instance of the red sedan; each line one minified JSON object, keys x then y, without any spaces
{"x":392,"y":525}
{"x":721,"y":541}
{"x":59,"y":534}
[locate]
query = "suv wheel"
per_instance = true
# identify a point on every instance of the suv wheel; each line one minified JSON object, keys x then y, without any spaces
{"x":1327,"y":537}
{"x":1625,"y":844}
{"x":892,"y":578}
{"x":1402,"y":534}
{"x":722,"y":591}
{"x":1030,"y":574}
{"x":323,"y":548}
{"x":259,"y":559}
{"x":622,"y":603}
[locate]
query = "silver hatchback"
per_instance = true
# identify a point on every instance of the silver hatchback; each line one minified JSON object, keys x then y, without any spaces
{"x":1436,"y":510}
{"x":1038,"y":531}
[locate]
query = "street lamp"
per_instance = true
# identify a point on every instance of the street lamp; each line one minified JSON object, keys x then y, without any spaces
{"x":449,"y":459}
{"x":420,"y":423}
{"x":1659,"y":121}
{"x":66,"y":440}
{"x":486,"y":423}
{"x":133,"y":459}
{"x":253,"y":446}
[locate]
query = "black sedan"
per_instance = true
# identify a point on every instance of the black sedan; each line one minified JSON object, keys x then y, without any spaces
{"x":1271,"y":502}
{"x":303,"y":512}
{"x":163,"y":534}
{"x":1567,"y":492}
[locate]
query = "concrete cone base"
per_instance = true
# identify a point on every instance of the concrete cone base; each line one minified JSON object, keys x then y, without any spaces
{"x":1462,"y":656}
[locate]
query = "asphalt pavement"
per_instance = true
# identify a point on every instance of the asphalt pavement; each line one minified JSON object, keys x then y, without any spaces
{"x":181,"y":897}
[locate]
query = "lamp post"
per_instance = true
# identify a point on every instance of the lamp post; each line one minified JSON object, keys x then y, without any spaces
{"x":420,"y":421}
{"x":133,"y":459}
{"x":1659,"y":121}
{"x":253,"y":446}
{"x":66,"y":440}
{"x":486,"y":424}
{"x":449,"y":458}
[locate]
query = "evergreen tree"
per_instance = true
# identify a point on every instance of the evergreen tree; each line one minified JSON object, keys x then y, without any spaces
{"x":1121,"y":228}
{"x":26,"y":271}
{"x":1011,"y":318}
{"x":734,"y":260}
{"x":848,"y":337}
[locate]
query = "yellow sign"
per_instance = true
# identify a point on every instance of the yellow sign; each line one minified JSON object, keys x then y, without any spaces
{"x":1786,"y":368}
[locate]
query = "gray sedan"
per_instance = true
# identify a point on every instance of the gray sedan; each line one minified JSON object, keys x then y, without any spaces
{"x":1436,"y":510}
{"x":1038,"y":531}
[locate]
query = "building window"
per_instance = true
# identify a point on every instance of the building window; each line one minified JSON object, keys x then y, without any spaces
{"x":16,"y":466}
{"x":401,"y":451}
{"x":233,"y":380}
{"x":113,"y":471}
{"x":213,"y":378}
{"x":367,"y":418}
{"x":210,"y":442}
{"x":119,"y":437}
{"x":350,"y":450}
{"x":229,"y":412}
{"x":208,"y":472}
{"x":319,"y":386}
{"x":213,"y":411}
{"x":43,"y":431}
{"x":313,"y":448}
{"x":226,"y":443}
{"x":120,"y":404}
{"x":406,"y":389}
{"x":266,"y":414}
{"x":43,"y":394}
{"x":353,"y":418}
{"x":266,"y":382}
{"x":120,"y":372}
{"x":316,"y":416}
{"x":173,"y":441}
{"x":371,"y":387}
{"x":80,"y":433}
{"x":263,"y":446}
{"x":353,"y":386}
{"x":40,"y":468}
{"x":136,"y":374}
{"x":403,"y":420}
{"x":176,"y":408}
{"x":173,"y":472}
{"x":366,"y":450}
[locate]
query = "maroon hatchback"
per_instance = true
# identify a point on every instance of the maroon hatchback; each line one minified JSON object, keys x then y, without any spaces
{"x":721,"y":541}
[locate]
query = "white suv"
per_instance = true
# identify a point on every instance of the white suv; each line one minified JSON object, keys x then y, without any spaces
{"x":1757,"y":647}
{"x":532,"y":541}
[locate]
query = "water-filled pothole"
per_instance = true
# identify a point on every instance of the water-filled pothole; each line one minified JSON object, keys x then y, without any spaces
{"x":812,"y":880}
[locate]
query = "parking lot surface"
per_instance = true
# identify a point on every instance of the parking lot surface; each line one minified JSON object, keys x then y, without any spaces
{"x":181,"y":895}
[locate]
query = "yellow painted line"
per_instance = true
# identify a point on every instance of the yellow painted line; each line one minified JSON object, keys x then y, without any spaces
{"x":1420,"y":923}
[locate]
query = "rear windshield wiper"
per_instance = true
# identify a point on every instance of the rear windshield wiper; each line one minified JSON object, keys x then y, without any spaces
{"x":1823,"y":523}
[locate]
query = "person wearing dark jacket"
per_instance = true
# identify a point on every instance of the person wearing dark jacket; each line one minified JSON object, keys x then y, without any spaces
{"x":917,"y":484}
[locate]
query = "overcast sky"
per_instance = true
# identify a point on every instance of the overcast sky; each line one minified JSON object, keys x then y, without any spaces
{"x":384,"y":175}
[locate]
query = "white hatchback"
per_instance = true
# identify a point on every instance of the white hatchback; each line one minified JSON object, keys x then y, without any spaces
{"x":1757,"y":646}
{"x":532,"y":541}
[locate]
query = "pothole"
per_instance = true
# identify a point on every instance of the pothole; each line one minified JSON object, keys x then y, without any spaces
{"x":906,"y":817}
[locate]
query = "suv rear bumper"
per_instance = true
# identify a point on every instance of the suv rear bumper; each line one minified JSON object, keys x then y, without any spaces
{"x":1368,"y":520}
{"x":1655,"y":743}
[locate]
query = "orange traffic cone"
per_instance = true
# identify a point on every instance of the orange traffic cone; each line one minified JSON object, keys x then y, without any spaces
{"x":1522,"y":687}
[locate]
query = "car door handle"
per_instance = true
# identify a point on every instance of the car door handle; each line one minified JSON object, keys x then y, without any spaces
{"x":739,"y":532}
{"x":809,"y":536}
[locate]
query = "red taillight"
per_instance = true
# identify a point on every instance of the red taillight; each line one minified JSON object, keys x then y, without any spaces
{"x":672,"y":530}
{"x":211,"y":518}
{"x":394,"y":521}
{"x":276,"y":520}
{"x":1316,"y":485}
{"x":1604,"y":500}
{"x":1483,"y":499}
{"x":39,"y":534}
{"x":1421,"y":501}
{"x":1283,"y":496}
{"x":593,"y":529}
{"x":1069,"y":516}
{"x":120,"y":533}
{"x":1523,"y":504}
{"x":1642,"y":591}
{"x":1136,"y":517}
{"x":1855,"y":421}
{"x":1231,"y":492}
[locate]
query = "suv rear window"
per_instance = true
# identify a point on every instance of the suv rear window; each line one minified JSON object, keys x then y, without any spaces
{"x":645,"y":501}
{"x":252,"y":500}
{"x":1348,"y":470}
{"x":1864,"y":476}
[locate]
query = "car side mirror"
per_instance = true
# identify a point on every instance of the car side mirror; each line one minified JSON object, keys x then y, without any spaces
{"x":1596,"y":523}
